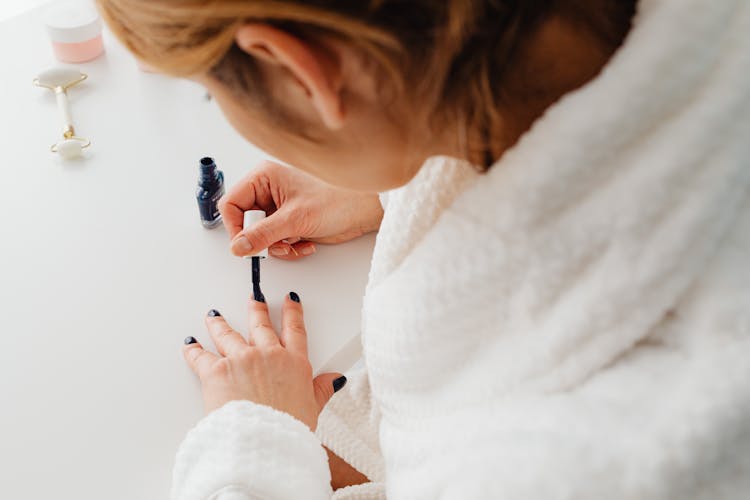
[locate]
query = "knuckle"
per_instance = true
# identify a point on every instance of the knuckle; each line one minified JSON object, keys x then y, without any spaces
{"x":275,"y":353}
{"x":193,"y":354}
{"x":195,"y":351}
{"x":252,"y":175}
{"x":312,"y":212}
{"x":262,"y":326}
{"x":219,"y":369}
{"x":263,"y":235}
{"x":307,"y":219}
{"x":247,"y":356}
{"x":265,"y":166}
{"x":224,"y":332}
{"x":296,"y":216}
{"x":296,"y":329}
{"x":262,"y":323}
{"x":222,"y":205}
{"x":262,"y":181}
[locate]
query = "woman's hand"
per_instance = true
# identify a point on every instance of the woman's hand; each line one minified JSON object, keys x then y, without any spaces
{"x":266,"y":369}
{"x":299,"y":207}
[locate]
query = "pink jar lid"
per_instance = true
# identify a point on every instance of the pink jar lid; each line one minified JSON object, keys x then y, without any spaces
{"x":72,"y":22}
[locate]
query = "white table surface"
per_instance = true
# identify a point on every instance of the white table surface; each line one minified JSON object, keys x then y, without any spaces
{"x":105,"y":268}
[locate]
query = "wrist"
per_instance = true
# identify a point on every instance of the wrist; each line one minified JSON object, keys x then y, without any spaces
{"x":374,"y":214}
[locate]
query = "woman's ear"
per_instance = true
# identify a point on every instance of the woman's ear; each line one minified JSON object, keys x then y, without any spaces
{"x":311,"y":67}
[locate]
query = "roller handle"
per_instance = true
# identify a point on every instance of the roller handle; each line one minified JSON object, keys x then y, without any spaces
{"x":64,"y":106}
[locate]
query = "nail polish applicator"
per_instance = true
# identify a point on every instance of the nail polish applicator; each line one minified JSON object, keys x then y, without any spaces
{"x":251,"y":217}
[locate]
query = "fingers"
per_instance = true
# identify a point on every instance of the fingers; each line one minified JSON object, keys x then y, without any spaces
{"x":293,"y":334}
{"x":261,"y":330}
{"x":325,"y":385}
{"x":239,"y":198}
{"x":198,"y":359}
{"x":285,"y":250}
{"x":264,"y":233}
{"x":254,"y":190}
{"x":228,"y":341}
{"x":231,"y":215}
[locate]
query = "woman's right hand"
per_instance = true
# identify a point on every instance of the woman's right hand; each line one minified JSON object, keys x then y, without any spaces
{"x":300,"y":210}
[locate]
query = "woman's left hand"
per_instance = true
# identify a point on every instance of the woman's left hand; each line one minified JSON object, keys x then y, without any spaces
{"x":267,"y":369}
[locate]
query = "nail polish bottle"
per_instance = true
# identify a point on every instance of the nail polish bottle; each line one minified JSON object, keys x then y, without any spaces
{"x":210,"y":190}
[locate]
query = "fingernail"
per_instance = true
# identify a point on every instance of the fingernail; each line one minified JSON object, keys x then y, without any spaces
{"x":241,"y":246}
{"x":259,"y":297}
{"x":191,"y":340}
{"x":294,"y":296}
{"x":307,"y":250}
{"x":214,"y":313}
{"x":339,"y":383}
{"x":282,"y":250}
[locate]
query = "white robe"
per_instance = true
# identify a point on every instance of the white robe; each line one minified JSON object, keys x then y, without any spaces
{"x":574,"y":324}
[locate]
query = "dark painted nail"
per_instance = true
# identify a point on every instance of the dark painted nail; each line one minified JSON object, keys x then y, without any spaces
{"x":259,"y":297}
{"x":339,"y":383}
{"x":190,"y":340}
{"x":294,"y":296}
{"x":214,"y":313}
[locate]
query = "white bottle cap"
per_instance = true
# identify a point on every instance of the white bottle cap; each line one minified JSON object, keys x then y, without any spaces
{"x":72,"y":22}
{"x":252,"y":217}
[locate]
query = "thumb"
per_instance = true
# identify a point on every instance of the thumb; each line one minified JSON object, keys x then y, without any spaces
{"x":263,"y":234}
{"x":325,"y":385}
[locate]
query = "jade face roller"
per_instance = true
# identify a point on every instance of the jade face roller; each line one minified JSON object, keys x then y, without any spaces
{"x":59,"y":80}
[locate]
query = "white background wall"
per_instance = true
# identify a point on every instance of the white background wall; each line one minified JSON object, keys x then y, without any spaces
{"x":11,"y":8}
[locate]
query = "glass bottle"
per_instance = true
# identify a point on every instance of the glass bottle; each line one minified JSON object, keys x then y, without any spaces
{"x":210,"y":190}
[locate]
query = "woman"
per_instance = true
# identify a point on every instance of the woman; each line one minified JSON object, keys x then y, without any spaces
{"x":558,"y":301}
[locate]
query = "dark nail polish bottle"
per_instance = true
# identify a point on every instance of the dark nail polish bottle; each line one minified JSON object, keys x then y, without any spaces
{"x":210,"y":189}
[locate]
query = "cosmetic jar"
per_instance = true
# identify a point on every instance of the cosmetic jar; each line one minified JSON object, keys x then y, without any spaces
{"x":75,"y":29}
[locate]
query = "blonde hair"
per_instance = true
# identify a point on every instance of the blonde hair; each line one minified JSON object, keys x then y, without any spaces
{"x":450,"y":55}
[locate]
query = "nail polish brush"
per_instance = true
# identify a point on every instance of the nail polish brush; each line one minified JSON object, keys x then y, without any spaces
{"x":252,"y":217}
